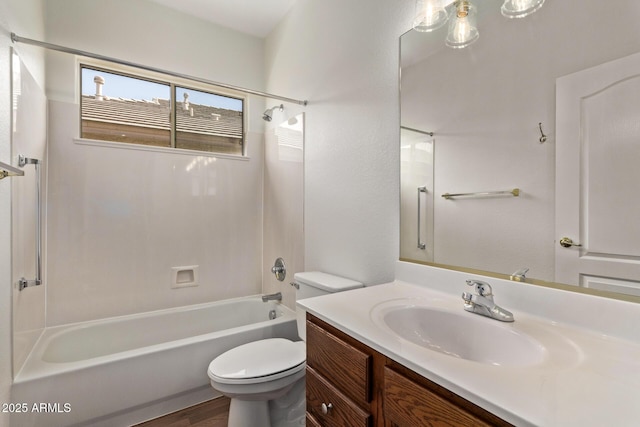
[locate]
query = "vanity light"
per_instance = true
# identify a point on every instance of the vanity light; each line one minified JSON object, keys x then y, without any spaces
{"x":430,"y":15}
{"x":433,"y":14}
{"x":520,"y":8}
{"x":462,"y":30}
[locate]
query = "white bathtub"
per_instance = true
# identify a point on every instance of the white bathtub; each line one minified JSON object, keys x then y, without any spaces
{"x":127,"y":369}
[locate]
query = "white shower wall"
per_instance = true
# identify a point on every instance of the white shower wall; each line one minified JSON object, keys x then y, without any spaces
{"x":119,"y":219}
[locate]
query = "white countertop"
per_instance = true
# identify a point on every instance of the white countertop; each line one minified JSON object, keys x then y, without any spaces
{"x":587,"y":378}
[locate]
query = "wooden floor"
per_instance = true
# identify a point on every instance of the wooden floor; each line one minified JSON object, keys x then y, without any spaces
{"x":213,"y":413}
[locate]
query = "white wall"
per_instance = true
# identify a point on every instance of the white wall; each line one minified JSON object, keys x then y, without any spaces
{"x":147,"y":33}
{"x":343,"y":57}
{"x":484,"y":104}
{"x":5,"y":220}
{"x":120,"y":219}
{"x":19,"y":16}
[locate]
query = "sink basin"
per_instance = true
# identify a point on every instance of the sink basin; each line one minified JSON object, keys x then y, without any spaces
{"x":462,"y":335}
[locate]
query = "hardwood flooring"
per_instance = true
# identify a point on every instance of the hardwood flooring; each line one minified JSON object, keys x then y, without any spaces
{"x":213,"y":413}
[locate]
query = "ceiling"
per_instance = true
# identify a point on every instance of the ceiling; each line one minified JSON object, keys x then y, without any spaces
{"x":254,"y":17}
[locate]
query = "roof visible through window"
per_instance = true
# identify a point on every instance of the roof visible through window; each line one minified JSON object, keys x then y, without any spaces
{"x":132,"y":109}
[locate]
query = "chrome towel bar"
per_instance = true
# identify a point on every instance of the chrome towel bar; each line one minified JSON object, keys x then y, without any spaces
{"x":515,"y":193}
{"x":421,"y":245}
{"x":23,"y":283}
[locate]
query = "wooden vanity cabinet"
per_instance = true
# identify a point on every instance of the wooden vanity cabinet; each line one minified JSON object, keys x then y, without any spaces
{"x":344,"y":373}
{"x":412,"y":400}
{"x":349,"y":384}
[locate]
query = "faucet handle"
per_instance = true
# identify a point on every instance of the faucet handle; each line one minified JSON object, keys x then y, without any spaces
{"x":482,"y":288}
{"x":467,"y":297}
{"x":519,"y":276}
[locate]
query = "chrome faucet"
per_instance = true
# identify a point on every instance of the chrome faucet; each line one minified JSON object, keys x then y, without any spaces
{"x":519,"y":276}
{"x":482,"y":302}
{"x":272,"y":297}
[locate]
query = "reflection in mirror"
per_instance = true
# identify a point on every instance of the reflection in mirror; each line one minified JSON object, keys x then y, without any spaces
{"x":416,"y":194}
{"x":484,"y":105}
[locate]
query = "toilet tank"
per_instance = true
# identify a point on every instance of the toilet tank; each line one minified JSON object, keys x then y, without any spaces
{"x":311,"y":284}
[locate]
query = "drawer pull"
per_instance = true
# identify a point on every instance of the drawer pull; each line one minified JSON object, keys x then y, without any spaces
{"x":326,"y":408}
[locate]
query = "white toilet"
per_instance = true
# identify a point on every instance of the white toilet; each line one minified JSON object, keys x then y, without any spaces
{"x":255,"y":373}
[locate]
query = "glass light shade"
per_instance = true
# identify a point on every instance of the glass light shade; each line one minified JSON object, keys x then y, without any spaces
{"x":430,"y":15}
{"x":462,"y":27}
{"x":520,"y":8}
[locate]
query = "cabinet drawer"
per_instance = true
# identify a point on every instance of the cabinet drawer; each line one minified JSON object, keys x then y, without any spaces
{"x":342,"y":412}
{"x":311,"y":422}
{"x":340,"y":362}
{"x":407,"y":404}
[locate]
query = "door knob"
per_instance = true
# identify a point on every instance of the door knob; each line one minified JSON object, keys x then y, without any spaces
{"x":566,"y":242}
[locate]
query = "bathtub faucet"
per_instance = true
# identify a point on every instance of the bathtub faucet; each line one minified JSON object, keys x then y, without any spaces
{"x":272,"y":297}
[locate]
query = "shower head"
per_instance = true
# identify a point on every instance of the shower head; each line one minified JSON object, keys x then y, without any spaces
{"x":268,"y":114}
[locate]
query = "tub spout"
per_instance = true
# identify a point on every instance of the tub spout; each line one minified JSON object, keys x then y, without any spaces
{"x":272,"y":297}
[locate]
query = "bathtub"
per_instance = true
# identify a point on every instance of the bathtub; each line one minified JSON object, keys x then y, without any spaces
{"x":128,"y":369}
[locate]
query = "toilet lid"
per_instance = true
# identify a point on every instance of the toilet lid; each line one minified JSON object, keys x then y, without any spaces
{"x":326,"y":282}
{"x":263,"y":359}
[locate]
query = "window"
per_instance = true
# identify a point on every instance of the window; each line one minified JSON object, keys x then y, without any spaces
{"x":132,"y":109}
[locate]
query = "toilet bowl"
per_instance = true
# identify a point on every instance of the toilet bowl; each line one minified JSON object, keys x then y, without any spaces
{"x":258,"y":372}
{"x":255,"y":373}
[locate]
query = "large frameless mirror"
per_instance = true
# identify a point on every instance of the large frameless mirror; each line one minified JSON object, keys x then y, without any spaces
{"x":516,"y":148}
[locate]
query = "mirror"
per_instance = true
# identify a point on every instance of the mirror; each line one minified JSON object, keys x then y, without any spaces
{"x":488,"y":106}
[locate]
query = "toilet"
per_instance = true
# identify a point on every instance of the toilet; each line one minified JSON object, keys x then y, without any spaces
{"x":255,"y":373}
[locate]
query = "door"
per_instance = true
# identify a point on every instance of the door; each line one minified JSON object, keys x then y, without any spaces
{"x":598,"y":177}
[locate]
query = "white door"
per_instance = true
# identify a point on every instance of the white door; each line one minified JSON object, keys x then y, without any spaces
{"x":598,"y":177}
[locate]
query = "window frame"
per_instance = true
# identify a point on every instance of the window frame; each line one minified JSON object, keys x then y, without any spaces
{"x":172,"y":82}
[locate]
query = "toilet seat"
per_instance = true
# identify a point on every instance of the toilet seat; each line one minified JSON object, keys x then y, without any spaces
{"x":258,"y":362}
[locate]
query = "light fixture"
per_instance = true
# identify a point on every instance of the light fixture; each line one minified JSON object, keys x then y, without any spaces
{"x":430,"y":15}
{"x":520,"y":8}
{"x":462,"y":30}
{"x":433,"y":14}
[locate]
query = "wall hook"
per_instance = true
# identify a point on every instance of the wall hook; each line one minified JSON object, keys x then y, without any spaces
{"x":543,"y":137}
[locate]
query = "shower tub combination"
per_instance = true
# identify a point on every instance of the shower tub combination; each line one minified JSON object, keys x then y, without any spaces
{"x":122,"y":368}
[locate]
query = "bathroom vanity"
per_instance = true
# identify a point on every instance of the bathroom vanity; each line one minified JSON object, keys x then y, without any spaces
{"x":406,"y":353}
{"x":350,"y":384}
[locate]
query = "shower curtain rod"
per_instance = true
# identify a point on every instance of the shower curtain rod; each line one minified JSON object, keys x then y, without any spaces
{"x":17,"y":39}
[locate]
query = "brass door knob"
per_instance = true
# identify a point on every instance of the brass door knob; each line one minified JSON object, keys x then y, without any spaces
{"x":566,"y":242}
